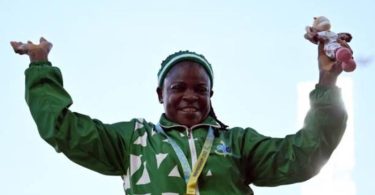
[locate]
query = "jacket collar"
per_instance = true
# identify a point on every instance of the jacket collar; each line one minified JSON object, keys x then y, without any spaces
{"x":209,"y":121}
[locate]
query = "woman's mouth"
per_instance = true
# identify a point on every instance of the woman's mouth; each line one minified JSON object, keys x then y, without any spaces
{"x":189,"y":110}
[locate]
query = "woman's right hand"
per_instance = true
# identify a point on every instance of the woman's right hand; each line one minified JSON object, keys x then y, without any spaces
{"x":36,"y":52}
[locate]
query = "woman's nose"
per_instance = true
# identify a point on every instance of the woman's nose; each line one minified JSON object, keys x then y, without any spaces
{"x":190,"y":95}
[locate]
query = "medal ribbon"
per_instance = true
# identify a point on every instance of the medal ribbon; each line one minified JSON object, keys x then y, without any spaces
{"x":192,"y":179}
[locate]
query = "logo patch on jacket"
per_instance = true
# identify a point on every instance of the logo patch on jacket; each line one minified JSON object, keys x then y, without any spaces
{"x":223,"y":150}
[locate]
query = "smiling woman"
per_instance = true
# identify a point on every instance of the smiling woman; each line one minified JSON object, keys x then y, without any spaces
{"x":185,"y":93}
{"x":188,"y":151}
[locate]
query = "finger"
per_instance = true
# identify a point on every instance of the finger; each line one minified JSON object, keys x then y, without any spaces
{"x":45,"y":44}
{"x":49,"y":46}
{"x":321,"y":48}
{"x":14,"y":44}
{"x":345,"y":44}
{"x":337,"y":67}
{"x":42,"y":39}
{"x":30,"y":42}
{"x":18,"y":47}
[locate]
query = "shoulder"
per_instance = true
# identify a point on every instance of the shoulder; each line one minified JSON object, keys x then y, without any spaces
{"x":133,"y":124}
{"x":245,"y":133}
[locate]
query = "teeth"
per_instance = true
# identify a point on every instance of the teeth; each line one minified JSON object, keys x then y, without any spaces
{"x":189,"y":109}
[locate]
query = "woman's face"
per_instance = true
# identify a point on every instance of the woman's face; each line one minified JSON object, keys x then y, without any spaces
{"x":186,"y":93}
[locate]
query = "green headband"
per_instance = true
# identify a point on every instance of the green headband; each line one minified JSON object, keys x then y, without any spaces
{"x":173,"y":59}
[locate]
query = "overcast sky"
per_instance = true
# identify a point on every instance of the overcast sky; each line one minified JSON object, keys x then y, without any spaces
{"x":110,"y":51}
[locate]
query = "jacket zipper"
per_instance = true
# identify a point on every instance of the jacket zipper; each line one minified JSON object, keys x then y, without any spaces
{"x":193,"y":151}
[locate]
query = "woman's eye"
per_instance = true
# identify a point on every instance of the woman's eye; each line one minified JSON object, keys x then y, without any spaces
{"x":202,"y":90}
{"x":177,"y":87}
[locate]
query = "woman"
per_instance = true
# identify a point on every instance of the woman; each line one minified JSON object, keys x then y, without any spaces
{"x":189,"y":151}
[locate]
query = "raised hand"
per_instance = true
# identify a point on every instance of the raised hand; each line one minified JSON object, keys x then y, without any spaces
{"x":329,"y":69}
{"x":36,"y":52}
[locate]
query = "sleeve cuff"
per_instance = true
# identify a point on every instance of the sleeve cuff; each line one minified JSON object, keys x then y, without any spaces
{"x":325,"y":95}
{"x":41,"y":63}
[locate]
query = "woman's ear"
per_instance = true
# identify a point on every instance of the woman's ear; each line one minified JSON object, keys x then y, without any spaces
{"x":159,"y":91}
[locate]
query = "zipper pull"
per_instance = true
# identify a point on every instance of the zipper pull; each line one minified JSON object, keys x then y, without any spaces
{"x":189,"y":133}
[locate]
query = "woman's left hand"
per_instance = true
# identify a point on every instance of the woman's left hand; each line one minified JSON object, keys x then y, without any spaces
{"x":329,"y":69}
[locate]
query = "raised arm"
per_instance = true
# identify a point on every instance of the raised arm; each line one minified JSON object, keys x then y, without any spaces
{"x":86,"y":141}
{"x":300,"y":156}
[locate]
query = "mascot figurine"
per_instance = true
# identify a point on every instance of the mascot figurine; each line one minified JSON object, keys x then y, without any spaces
{"x":320,"y":32}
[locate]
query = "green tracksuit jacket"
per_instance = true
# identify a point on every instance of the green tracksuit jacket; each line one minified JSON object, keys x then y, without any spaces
{"x":148,"y":164}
